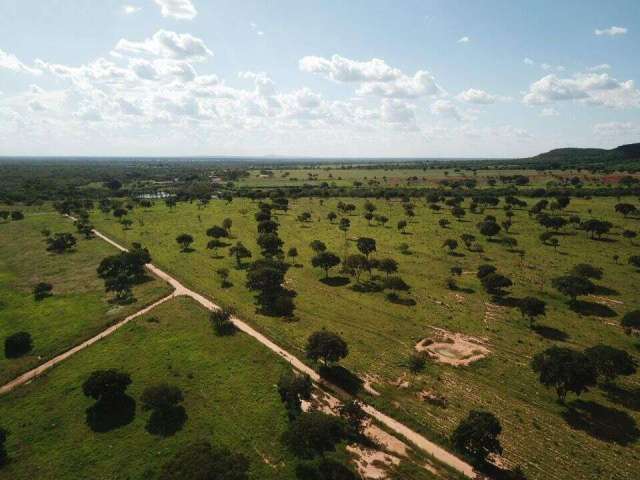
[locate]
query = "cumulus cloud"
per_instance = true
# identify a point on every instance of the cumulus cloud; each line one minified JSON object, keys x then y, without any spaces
{"x":617,"y":130}
{"x":473,"y":95}
{"x":11,"y":62}
{"x":374,"y":76}
{"x":528,"y":61}
{"x":464,"y":40}
{"x":611,"y":31}
{"x":599,"y":68}
{"x":255,"y":29}
{"x":167,"y":44}
{"x":445,"y":108}
{"x":590,"y":88}
{"x":178,"y":9}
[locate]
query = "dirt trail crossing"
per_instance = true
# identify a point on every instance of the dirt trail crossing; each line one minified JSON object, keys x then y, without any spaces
{"x":418,"y":440}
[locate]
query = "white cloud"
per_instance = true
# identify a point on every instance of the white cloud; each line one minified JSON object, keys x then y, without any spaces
{"x":599,"y":68}
{"x":473,"y":95}
{"x":549,"y":112}
{"x":398,"y":112}
{"x":130,"y":9}
{"x":255,"y":29}
{"x":445,"y":108}
{"x":464,"y":40}
{"x":167,"y":44}
{"x":11,"y":62}
{"x":617,"y":130}
{"x":590,"y":88}
{"x":178,"y":9}
{"x":611,"y":31}
{"x":528,"y":61}
{"x":374,"y":76}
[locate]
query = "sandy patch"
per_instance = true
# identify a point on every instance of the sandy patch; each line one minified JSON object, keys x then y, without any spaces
{"x":453,"y":348}
{"x":433,"y":398}
{"x":606,"y":300}
{"x":372,"y":464}
{"x":369,"y":380}
{"x":401,"y":382}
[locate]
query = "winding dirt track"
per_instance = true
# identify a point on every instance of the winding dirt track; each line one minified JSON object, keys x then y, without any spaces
{"x":418,"y":440}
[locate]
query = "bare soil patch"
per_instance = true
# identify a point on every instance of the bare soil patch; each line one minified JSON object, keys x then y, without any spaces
{"x":451,"y":348}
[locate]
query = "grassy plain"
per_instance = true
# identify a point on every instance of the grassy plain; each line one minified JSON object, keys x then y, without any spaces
{"x":78,"y":309}
{"x":594,"y":438}
{"x":228,"y":385}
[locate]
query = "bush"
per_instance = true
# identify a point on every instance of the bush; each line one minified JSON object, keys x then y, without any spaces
{"x":314,"y":433}
{"x":395,"y":283}
{"x":201,"y":461}
{"x":17,"y":345}
{"x":417,"y":361}
{"x":222,"y":323}
{"x":42,"y":290}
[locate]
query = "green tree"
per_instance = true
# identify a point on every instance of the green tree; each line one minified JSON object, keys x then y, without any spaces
{"x":42,"y":290}
{"x":366,"y":246}
{"x":564,"y":369}
{"x":293,"y":388}
{"x":476,"y":436}
{"x":106,"y":385}
{"x":61,"y":242}
{"x":326,"y":346}
{"x":326,"y":261}
{"x":17,"y":345}
{"x":184,"y":240}
{"x":201,"y":461}
{"x":573,"y":286}
{"x":531,"y":308}
{"x":610,"y":362}
{"x":631,"y":320}
{"x":239,"y":252}
{"x":314,"y":433}
{"x":270,"y":244}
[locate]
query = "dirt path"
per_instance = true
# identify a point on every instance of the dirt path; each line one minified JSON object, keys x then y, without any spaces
{"x":418,"y":440}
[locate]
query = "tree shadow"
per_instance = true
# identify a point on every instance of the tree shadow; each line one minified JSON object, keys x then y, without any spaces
{"x":550,"y":333}
{"x":166,"y":422}
{"x":456,"y":254}
{"x":592,"y":309}
{"x":628,"y":398}
{"x":607,"y":424}
{"x":398,"y":300}
{"x":187,"y":250}
{"x":106,"y":416}
{"x":367,"y":287}
{"x":602,"y":290}
{"x":510,"y":302}
{"x":341,"y":377}
{"x":226,"y":284}
{"x":335,"y":281}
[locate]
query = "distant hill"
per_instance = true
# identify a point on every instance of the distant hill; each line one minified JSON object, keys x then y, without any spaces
{"x":623,"y":154}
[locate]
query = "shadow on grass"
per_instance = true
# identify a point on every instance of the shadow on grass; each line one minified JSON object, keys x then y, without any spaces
{"x":187,"y":250}
{"x":367,"y":287}
{"x":106,"y":416}
{"x":335,"y":281}
{"x":592,"y":309}
{"x":602,"y":290}
{"x":607,"y":424}
{"x":341,"y":377}
{"x":167,"y":422}
{"x":628,"y":398}
{"x":550,"y":333}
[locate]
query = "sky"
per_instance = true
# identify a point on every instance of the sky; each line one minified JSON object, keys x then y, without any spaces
{"x":331,"y":78}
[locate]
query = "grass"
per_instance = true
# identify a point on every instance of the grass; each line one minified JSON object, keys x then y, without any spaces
{"x":228,"y":385}
{"x":78,"y":309}
{"x":539,"y":434}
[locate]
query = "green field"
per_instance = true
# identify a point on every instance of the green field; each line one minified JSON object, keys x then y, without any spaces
{"x":228,"y":385}
{"x":598,"y":438}
{"x":79,"y":307}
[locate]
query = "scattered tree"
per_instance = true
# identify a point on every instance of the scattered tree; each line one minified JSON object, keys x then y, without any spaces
{"x":326,"y":346}
{"x":477,"y":436}
{"x":564,"y":369}
{"x":17,"y":345}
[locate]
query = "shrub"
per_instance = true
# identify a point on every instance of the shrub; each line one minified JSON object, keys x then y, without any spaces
{"x":17,"y":345}
{"x":221,"y":321}
{"x":42,"y":290}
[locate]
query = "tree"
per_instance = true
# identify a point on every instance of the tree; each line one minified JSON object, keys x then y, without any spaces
{"x":494,"y":284}
{"x":610,"y":362}
{"x":468,"y":240}
{"x":3,"y":449}
{"x":61,"y":242}
{"x":293,"y":388}
{"x":121,"y":285}
{"x":477,"y":436}
{"x":325,"y":260}
{"x":331,"y":216}
{"x":573,"y":286}
{"x":586,"y":270}
{"x":564,"y":369}
{"x":4,"y":214}
{"x":119,"y":213}
{"x":17,"y":345}
{"x":531,"y":308}
{"x":631,"y":320}
{"x":443,"y":222}
{"x":214,"y":245}
{"x":42,"y":290}
{"x":451,"y":244}
{"x":458,"y":212}
{"x":270,"y":244}
{"x":293,"y":254}
{"x":266,"y":276}
{"x":345,"y":224}
{"x":161,"y":397}
{"x":489,"y":228}
{"x":227,"y":223}
{"x":129,"y":263}
{"x":625,"y":209}
{"x":17,"y":215}
{"x":222,"y":321}
{"x":354,"y":417}
{"x":402,"y":225}
{"x":171,"y":202}
{"x":268,"y":226}
{"x":317,"y":246}
{"x":387,"y":265}
{"x":366,"y":246}
{"x":217,"y":232}
{"x":223,"y":276}
{"x":634,"y":260}
{"x":239,"y":252}
{"x":596,"y":227}
{"x":314,"y":433}
{"x":326,"y":346}
{"x":417,"y":361}
{"x":184,"y":240}
{"x":630,"y":234}
{"x":484,"y":270}
{"x":356,"y":264}
{"x":201,"y":461}
{"x":106,"y":386}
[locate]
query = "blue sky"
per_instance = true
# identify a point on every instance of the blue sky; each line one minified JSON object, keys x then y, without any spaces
{"x":331,"y":78}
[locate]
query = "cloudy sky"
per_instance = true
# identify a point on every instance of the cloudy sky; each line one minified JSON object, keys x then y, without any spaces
{"x":317,"y":78}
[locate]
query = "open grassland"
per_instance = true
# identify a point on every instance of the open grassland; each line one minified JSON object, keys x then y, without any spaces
{"x":229,"y":397}
{"x":403,"y":177}
{"x":78,"y":309}
{"x":597,"y":437}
